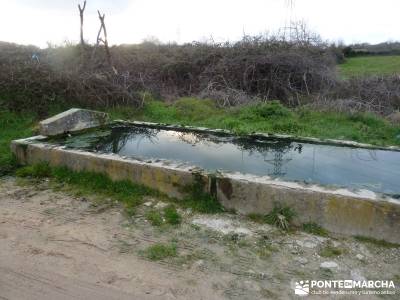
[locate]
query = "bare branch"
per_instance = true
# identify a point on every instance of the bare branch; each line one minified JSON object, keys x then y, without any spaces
{"x":81,"y":12}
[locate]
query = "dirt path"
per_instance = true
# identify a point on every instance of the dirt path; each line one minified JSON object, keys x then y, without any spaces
{"x":57,"y":246}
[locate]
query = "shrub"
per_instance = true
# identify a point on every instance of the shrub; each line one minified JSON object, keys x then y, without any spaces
{"x":233,"y":73}
{"x":280,"y":216}
{"x":272,"y":109}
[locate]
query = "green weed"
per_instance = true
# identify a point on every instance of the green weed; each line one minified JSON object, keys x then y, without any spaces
{"x":160,"y":251}
{"x":198,"y":200}
{"x":171,"y":215}
{"x":315,"y":229}
{"x":330,"y":251}
{"x":154,"y":217}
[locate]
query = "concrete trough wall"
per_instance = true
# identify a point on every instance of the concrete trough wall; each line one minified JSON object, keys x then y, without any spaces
{"x":339,"y":211}
{"x":165,"y":178}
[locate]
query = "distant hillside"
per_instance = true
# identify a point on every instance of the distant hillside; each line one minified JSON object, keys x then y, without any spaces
{"x":387,"y":48}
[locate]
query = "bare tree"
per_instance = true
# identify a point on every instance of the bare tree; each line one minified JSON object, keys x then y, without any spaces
{"x":104,"y":40}
{"x":81,"y":12}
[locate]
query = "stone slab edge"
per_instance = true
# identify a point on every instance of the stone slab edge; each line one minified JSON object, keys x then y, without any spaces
{"x":72,"y":120}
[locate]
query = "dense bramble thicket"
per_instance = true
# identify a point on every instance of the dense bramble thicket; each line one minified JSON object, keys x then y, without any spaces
{"x":254,"y":69}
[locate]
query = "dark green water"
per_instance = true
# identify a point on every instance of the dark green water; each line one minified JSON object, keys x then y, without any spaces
{"x":353,"y":168}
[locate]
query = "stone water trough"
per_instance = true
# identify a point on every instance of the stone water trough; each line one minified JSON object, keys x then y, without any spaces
{"x":346,"y":188}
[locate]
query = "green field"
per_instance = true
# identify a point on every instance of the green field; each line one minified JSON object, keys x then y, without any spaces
{"x":370,"y":65}
{"x":271,"y":117}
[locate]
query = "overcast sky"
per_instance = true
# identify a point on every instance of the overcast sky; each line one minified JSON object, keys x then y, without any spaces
{"x":130,"y":21}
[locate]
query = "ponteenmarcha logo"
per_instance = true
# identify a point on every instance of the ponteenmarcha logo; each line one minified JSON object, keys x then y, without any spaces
{"x":344,"y":287}
{"x":302,"y":288}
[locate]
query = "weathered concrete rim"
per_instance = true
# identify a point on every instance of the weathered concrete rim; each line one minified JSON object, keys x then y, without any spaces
{"x":360,"y":194}
{"x":341,"y":211}
{"x":262,"y":135}
{"x":40,"y":141}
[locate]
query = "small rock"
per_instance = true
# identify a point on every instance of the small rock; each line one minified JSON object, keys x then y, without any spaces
{"x":160,"y":205}
{"x":306,"y":244}
{"x":356,"y":275}
{"x":199,"y":263}
{"x":301,"y":260}
{"x":360,"y":257}
{"x":148,"y":204}
{"x":364,"y":251}
{"x":329,"y":265}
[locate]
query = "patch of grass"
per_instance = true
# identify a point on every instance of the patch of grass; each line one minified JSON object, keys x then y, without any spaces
{"x":86,"y":183}
{"x":379,"y":243}
{"x":202,"y":203}
{"x":315,"y":229}
{"x":154,"y":217}
{"x":272,"y":109}
{"x":169,"y":215}
{"x":330,"y":251}
{"x":198,"y":200}
{"x":124,"y":191}
{"x":12,"y":126}
{"x":281,"y":217}
{"x":160,"y":251}
{"x":35,"y":171}
{"x":370,"y":66}
{"x":172,"y":216}
{"x":194,"y":110}
{"x":270,"y":117}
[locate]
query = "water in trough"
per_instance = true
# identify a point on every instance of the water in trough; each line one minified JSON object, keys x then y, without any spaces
{"x":289,"y":160}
